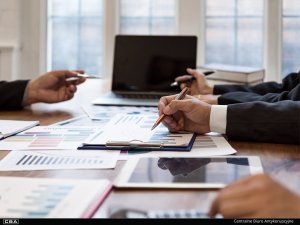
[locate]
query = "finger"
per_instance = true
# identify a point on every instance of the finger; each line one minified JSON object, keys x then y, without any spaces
{"x":72,"y":89}
{"x":170,"y":122}
{"x":79,"y":71}
{"x":164,"y":101}
{"x":238,"y":207}
{"x":64,"y":73}
{"x":183,"y":78}
{"x":178,"y":105}
{"x":80,"y":81}
{"x":194,"y":73}
{"x":183,"y":85}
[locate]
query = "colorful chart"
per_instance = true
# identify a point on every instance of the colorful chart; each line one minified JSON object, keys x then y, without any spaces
{"x":49,"y":137}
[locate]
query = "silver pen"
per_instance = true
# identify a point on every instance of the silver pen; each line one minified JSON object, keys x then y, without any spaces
{"x":84,"y":75}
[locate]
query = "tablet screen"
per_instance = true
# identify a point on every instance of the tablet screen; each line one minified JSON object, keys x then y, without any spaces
{"x":189,"y":170}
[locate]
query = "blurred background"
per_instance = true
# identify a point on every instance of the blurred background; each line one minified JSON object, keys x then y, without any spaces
{"x":42,"y":35}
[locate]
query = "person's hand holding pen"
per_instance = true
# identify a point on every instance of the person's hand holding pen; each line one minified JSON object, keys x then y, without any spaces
{"x":198,"y":85}
{"x":188,"y":114}
{"x":196,"y":81}
{"x":52,"y":87}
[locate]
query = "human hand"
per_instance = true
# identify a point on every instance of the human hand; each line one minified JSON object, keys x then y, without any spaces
{"x":200,"y":86}
{"x":189,"y":114}
{"x":52,"y":87}
{"x":256,"y":197}
{"x":210,"y":99}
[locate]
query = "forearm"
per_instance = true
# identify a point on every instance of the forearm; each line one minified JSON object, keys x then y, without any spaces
{"x":264,"y":122}
{"x":288,"y":83}
{"x":241,"y":97}
{"x":12,"y":94}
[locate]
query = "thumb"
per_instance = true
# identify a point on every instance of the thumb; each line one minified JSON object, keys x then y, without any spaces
{"x":178,"y":105}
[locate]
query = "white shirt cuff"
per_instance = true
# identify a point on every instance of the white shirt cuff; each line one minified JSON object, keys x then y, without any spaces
{"x":218,"y":118}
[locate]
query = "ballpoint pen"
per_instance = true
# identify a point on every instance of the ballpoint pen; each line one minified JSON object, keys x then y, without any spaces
{"x":180,"y":96}
{"x":177,"y":83}
{"x":79,"y":75}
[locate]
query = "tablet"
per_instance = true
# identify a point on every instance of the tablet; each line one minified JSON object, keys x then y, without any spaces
{"x":208,"y":172}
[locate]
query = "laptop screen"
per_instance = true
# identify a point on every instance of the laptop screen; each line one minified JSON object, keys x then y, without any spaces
{"x":151,"y":63}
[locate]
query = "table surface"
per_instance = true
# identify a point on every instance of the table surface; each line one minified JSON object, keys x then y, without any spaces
{"x":281,"y":161}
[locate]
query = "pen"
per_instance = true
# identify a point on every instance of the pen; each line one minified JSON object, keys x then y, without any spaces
{"x":180,"y":96}
{"x":79,"y":75}
{"x":177,"y":83}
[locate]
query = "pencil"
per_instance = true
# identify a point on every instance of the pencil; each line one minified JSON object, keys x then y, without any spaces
{"x":180,"y":96}
{"x":177,"y":83}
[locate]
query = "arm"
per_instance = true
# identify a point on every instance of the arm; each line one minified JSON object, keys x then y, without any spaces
{"x":11,"y":94}
{"x":288,"y":83}
{"x":240,"y":97}
{"x":264,"y":122}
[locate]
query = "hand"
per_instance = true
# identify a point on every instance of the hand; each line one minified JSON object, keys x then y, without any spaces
{"x":52,"y":87}
{"x":256,"y":196}
{"x":189,"y":114}
{"x":200,"y":86}
{"x":210,"y":99}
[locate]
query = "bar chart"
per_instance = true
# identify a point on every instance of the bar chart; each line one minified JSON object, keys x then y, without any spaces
{"x":50,"y":137}
{"x":58,"y":159}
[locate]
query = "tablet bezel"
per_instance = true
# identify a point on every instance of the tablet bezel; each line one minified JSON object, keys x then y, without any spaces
{"x":121,"y":181}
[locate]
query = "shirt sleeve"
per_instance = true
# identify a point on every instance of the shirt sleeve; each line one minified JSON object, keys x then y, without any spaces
{"x":218,"y":118}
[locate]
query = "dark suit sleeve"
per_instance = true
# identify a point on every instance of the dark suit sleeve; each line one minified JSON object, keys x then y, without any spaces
{"x":11,"y":94}
{"x":288,"y":83}
{"x":240,"y":97}
{"x":264,"y":122}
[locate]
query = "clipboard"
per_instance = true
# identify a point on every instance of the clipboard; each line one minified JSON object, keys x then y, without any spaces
{"x":136,"y":145}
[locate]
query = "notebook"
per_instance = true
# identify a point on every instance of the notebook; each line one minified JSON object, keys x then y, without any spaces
{"x":11,"y":127}
{"x":145,"y":66}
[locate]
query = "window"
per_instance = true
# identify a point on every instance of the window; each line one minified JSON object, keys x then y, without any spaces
{"x":291,"y":37}
{"x":234,"y":32}
{"x":75,"y":35}
{"x":147,"y":17}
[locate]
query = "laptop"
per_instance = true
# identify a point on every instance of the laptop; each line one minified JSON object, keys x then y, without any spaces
{"x":145,"y":66}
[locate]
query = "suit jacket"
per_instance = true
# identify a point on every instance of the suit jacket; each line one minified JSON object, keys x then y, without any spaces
{"x":267,"y":92}
{"x":277,"y":122}
{"x":11,"y":94}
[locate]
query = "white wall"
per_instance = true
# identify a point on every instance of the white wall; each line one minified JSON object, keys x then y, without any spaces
{"x":20,"y":41}
{"x":9,"y":35}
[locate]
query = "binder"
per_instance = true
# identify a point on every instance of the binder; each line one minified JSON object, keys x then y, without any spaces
{"x":136,"y":145}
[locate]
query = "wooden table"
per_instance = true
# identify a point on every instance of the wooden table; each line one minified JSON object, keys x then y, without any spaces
{"x":281,"y":161}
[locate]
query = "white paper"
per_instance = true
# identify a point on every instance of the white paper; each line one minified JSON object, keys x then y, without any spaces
{"x":105,"y":113}
{"x":48,"y":198}
{"x":10,"y":127}
{"x":137,"y":129}
{"x":204,"y":146}
{"x":49,"y":138}
{"x":58,"y":159}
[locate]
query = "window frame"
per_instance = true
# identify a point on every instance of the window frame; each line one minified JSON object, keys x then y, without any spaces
{"x":190,"y":20}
